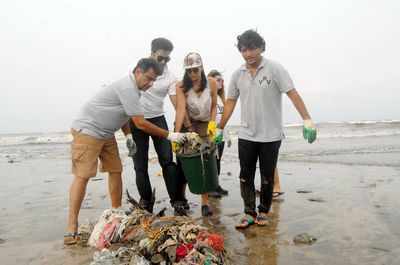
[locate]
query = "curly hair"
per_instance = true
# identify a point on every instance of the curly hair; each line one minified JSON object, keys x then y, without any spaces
{"x":250,"y":39}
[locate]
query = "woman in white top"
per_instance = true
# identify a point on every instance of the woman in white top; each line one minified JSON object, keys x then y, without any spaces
{"x":196,"y":105}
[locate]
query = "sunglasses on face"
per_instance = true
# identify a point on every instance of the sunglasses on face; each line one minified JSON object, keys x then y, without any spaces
{"x":162,"y":58}
{"x":193,"y":70}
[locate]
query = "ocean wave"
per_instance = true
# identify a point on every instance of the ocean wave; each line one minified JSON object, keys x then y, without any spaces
{"x":366,"y":122}
{"x":332,"y":129}
{"x":58,"y":138}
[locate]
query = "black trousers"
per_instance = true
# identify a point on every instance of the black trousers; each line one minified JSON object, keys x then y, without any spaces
{"x":164,"y":152}
{"x":267,"y":154}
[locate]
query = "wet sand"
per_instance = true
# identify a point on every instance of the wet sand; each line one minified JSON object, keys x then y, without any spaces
{"x":357,"y":222}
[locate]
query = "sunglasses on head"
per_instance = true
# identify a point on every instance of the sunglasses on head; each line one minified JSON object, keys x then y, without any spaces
{"x":162,"y":58}
{"x":193,"y":70}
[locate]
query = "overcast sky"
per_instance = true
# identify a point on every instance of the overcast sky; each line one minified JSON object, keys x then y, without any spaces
{"x":343,"y":55}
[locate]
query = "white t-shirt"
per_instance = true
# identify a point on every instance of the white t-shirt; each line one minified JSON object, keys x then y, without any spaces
{"x":152,"y":100}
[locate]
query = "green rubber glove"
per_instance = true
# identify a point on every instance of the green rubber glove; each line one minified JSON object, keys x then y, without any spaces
{"x":219,"y":136}
{"x":309,"y":131}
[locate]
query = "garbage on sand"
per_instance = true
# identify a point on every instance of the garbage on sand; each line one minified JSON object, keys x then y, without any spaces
{"x":193,"y":144}
{"x":138,"y":237}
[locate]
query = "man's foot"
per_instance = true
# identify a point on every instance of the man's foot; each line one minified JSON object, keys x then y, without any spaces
{"x":71,"y":238}
{"x":222,"y":191}
{"x":262,"y":219}
{"x":180,"y":211}
{"x":206,"y":211}
{"x":180,"y":208}
{"x":245,"y":221}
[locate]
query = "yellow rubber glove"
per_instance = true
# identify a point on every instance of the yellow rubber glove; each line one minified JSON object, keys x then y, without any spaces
{"x":211,"y":130}
{"x":175,"y":147}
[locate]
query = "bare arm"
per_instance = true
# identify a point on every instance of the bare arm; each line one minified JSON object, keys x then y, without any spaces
{"x":180,"y":107}
{"x":298,"y":104}
{"x":213,"y":88}
{"x":173,"y":100}
{"x":148,"y":127}
{"x":228,"y":110}
{"x":222,"y":96}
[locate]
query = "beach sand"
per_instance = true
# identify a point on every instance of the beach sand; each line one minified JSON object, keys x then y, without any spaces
{"x":357,"y":221}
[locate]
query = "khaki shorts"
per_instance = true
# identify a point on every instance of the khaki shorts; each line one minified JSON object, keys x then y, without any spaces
{"x":87,"y":150}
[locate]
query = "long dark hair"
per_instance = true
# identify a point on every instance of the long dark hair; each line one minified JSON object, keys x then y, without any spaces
{"x":213,"y":74}
{"x":188,"y":84}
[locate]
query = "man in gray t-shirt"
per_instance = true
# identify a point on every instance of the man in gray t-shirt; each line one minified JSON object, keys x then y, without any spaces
{"x":93,"y":136}
{"x":260,"y":83}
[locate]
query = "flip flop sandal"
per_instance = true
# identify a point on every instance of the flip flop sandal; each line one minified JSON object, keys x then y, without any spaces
{"x":262,"y":220}
{"x":276,"y":194}
{"x":71,"y":238}
{"x":245,"y":222}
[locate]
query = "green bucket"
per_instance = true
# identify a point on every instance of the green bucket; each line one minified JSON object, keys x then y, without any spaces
{"x":200,"y":170}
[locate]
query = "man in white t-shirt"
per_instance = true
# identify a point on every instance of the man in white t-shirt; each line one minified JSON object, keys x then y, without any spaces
{"x":152,"y":101}
{"x":260,"y":83}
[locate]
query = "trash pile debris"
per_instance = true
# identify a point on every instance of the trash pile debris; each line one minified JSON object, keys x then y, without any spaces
{"x":193,"y":144}
{"x":138,"y":237}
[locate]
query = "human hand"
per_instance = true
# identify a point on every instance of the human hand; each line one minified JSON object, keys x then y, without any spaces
{"x":211,"y":130}
{"x":176,"y":137}
{"x":219,"y":136}
{"x":131,"y":145}
{"x":309,"y":131}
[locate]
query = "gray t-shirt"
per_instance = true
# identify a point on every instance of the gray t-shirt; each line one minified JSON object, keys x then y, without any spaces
{"x":110,"y":109}
{"x":261,"y":100}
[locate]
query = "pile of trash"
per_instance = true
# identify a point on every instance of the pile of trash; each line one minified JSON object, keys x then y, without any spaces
{"x":193,"y":144}
{"x":138,"y":237}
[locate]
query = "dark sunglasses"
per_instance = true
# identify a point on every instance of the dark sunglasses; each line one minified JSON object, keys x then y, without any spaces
{"x":162,"y":58}
{"x":193,"y":70}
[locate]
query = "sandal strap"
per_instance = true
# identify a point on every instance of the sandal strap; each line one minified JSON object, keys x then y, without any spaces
{"x":72,"y":234}
{"x":262,"y":217}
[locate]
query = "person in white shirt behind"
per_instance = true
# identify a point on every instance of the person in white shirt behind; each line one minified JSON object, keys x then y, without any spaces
{"x":152,"y":101}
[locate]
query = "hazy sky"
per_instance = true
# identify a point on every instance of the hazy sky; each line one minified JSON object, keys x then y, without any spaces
{"x":343,"y":55}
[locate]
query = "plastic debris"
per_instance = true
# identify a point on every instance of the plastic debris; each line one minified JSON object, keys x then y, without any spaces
{"x":153,"y":239}
{"x":104,"y":231}
{"x":193,"y":144}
